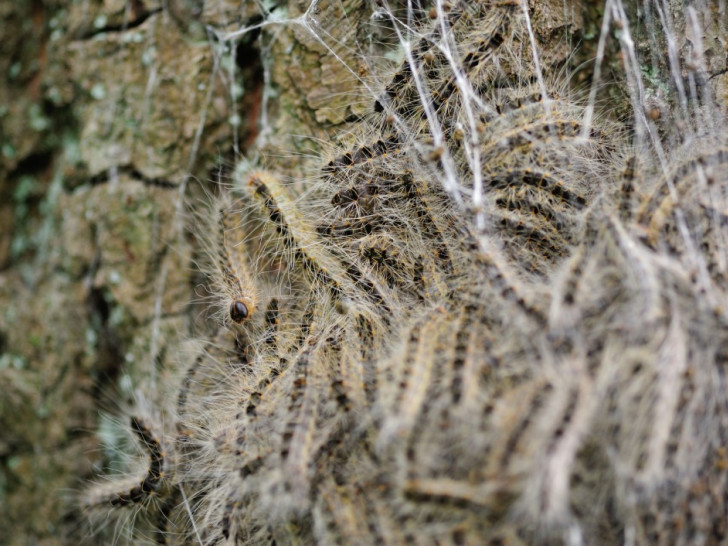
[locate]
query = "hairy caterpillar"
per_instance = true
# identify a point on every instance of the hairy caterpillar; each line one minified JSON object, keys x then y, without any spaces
{"x":234,"y":271}
{"x":471,"y":339}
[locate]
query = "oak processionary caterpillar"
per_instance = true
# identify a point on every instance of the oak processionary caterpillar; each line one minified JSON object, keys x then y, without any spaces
{"x":496,"y":319}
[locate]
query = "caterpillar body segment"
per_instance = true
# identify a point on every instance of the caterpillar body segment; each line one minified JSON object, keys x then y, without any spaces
{"x":235,"y":270}
{"x":130,"y":498}
{"x":340,"y":278}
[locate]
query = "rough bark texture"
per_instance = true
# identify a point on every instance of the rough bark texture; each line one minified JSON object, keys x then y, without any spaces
{"x":115,"y":115}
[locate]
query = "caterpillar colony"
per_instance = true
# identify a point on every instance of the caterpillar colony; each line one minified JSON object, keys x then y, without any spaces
{"x":499,"y":318}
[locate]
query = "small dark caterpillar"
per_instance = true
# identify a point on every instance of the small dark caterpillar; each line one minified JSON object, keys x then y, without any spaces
{"x":137,"y":493}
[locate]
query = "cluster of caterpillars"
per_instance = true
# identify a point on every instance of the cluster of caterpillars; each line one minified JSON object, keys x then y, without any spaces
{"x":399,"y":373}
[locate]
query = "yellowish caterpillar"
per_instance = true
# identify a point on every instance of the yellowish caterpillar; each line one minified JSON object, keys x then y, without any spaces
{"x":236,"y":279}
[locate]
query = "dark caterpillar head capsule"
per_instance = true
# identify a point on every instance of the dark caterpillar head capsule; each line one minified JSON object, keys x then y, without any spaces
{"x":238,"y":311}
